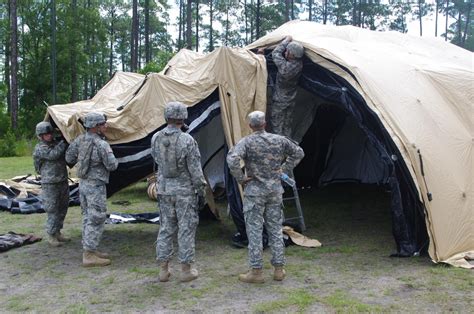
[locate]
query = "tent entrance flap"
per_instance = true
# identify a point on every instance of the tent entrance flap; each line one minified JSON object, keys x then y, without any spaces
{"x":345,"y":141}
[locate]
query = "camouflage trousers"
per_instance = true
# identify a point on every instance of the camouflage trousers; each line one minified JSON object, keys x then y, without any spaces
{"x":177,"y":213}
{"x":260,"y":210}
{"x":55,"y":197}
{"x":93,"y":196}
{"x":281,"y":117}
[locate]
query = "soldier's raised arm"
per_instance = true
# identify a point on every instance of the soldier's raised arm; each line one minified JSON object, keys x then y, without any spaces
{"x":108,"y":157}
{"x":72,"y":152}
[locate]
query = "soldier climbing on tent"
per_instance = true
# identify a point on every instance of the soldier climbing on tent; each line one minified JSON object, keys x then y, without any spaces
{"x":95,"y":161}
{"x":49,"y":162}
{"x":287,"y":57}
{"x":180,"y":182}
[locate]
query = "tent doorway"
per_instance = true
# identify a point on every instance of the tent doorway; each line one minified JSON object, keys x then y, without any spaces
{"x":345,"y":142}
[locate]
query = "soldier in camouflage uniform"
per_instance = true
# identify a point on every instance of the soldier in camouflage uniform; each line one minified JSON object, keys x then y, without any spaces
{"x":95,"y":160}
{"x":266,"y":157}
{"x":288,"y":59}
{"x":49,"y":162}
{"x":180,"y":182}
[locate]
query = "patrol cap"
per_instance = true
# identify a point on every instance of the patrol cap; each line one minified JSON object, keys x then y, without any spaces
{"x":176,"y":110}
{"x":256,"y":118}
{"x":296,"y":49}
{"x":92,"y":119}
{"x":43,"y":128}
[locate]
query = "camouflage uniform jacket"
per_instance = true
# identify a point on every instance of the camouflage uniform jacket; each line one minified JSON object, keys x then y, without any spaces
{"x":288,"y":74}
{"x":49,"y":161}
{"x":189,"y":179}
{"x":265,"y":155}
{"x":101,"y":158}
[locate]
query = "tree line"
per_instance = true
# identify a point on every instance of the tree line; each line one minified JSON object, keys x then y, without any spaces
{"x":62,"y":51}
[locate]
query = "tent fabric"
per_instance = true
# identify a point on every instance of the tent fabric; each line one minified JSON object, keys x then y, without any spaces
{"x":422,"y":90}
{"x":419,"y":89}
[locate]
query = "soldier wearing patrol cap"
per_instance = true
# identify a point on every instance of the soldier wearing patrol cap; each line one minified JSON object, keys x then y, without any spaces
{"x":180,"y":181}
{"x":288,"y":60}
{"x":95,"y":160}
{"x":266,"y":156}
{"x":48,"y":157}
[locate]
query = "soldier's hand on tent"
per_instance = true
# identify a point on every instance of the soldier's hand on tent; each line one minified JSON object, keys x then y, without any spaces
{"x":261,"y":51}
{"x":288,"y":38}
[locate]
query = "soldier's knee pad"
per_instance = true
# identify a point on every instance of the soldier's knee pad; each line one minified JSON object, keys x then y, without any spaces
{"x":98,"y":217}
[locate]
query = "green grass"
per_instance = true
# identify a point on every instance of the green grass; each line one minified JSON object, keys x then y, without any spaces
{"x":15,"y":166}
{"x":350,"y":273}
{"x":298,"y":300}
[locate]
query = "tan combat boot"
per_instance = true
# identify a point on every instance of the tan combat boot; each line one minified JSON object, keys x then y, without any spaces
{"x":89,"y":259}
{"x":188,"y":273}
{"x":164,"y":272}
{"x":279,"y":273}
{"x":254,"y":275}
{"x":53,"y":240}
{"x":61,"y":238}
{"x":101,"y":254}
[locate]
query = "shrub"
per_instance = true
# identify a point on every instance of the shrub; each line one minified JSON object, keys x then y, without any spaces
{"x":8,"y":145}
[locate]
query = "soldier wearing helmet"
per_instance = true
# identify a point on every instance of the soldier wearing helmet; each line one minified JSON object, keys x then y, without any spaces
{"x":49,"y":162}
{"x":180,"y":181}
{"x":94,"y":159}
{"x":288,"y":60}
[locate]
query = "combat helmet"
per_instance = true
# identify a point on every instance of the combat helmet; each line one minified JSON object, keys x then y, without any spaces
{"x":92,"y":119}
{"x":296,"y":49}
{"x":43,"y":128}
{"x":176,"y":110}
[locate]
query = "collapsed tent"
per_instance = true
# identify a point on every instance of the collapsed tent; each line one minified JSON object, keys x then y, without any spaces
{"x":377,"y":108}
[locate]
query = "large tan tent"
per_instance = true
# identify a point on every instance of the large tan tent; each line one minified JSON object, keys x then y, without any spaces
{"x":411,"y":97}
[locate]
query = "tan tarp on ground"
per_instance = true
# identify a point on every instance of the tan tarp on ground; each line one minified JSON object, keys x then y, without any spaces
{"x":239,"y":74}
{"x":423,"y":92}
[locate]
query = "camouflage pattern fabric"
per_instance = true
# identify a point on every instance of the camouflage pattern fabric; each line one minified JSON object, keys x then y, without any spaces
{"x":100,"y":160}
{"x":177,"y":193}
{"x":190,"y":179}
{"x":260,"y":210}
{"x":284,"y":93}
{"x":177,"y":213}
{"x":93,"y":196}
{"x":92,"y":189}
{"x":55,"y":198}
{"x":265,"y":156}
{"x":48,"y":158}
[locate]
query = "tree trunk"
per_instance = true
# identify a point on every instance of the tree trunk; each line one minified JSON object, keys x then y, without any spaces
{"x":53,"y":49}
{"x":180,"y":21}
{"x":147,"y":32}
{"x":14,"y":64}
{"x":447,"y":18}
{"x":251,"y":23}
{"x":189,"y":34}
{"x":420,"y":15}
{"x":354,"y":12}
{"x":292,"y":8}
{"x":257,"y":26}
{"x":197,"y":25}
{"x":226,"y":41}
{"x":112,"y":39}
{"x":246,"y":23}
{"x":134,"y":43}
{"x":72,"y":47}
{"x":310,"y":10}
{"x":325,"y":11}
{"x":459,"y":25}
{"x":436,"y":18}
{"x":287,"y":10}
{"x":211,"y":16}
{"x":468,"y":22}
{"x":7,"y":65}
{"x":87,"y":50}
